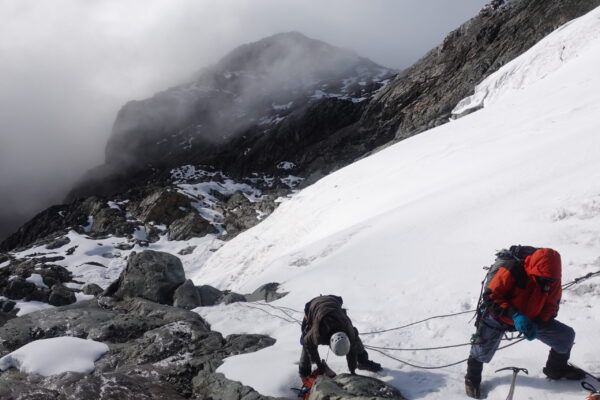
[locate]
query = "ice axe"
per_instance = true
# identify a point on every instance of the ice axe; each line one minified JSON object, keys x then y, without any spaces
{"x":515,"y":371}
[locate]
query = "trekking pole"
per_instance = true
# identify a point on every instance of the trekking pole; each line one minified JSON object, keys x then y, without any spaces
{"x":515,"y":371}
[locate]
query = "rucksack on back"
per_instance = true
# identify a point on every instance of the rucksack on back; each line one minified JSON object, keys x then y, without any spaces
{"x":514,"y":254}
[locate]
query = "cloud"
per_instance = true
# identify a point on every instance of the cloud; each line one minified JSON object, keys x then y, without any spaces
{"x":67,"y":66}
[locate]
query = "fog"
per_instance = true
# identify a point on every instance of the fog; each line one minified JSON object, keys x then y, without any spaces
{"x":67,"y":66}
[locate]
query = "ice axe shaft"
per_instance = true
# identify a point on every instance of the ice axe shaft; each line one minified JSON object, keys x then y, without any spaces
{"x":515,"y":371}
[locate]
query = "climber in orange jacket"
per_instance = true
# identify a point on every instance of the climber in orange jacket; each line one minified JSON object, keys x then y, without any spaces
{"x":523,"y":295}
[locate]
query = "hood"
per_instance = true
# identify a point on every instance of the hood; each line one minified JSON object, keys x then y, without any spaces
{"x":545,"y":263}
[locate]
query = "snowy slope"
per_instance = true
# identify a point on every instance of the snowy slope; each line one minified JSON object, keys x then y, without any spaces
{"x":403,"y":234}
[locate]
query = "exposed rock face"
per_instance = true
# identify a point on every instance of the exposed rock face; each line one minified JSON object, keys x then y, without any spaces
{"x":267,"y":292}
{"x":155,"y":353}
{"x":163,"y":207}
{"x":151,"y":275}
{"x":424,"y":95}
{"x":345,"y":386}
{"x":192,"y":225}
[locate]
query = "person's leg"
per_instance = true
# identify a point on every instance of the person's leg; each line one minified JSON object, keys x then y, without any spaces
{"x":560,"y":338}
{"x":362,"y":357}
{"x":304,"y":366}
{"x":482,"y":351}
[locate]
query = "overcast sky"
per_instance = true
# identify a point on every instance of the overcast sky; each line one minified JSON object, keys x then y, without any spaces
{"x":67,"y":66}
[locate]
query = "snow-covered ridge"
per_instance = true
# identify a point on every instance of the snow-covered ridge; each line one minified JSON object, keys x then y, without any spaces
{"x":402,"y":235}
{"x":557,"y":49}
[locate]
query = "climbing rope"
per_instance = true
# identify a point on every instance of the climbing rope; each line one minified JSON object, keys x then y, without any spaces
{"x":417,"y":322}
{"x":575,"y":281}
{"x":291,"y":321}
{"x":435,"y":367}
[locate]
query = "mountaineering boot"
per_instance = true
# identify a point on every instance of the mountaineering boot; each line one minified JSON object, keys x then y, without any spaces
{"x":557,"y":367}
{"x":369,"y":366}
{"x":473,"y":378}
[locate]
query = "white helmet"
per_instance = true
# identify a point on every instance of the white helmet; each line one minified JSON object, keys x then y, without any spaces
{"x":339,"y":344}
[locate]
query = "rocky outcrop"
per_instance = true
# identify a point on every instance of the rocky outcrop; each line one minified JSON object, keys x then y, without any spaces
{"x":267,"y":292}
{"x":151,"y":275}
{"x":156,"y":352}
{"x":424,"y":95}
{"x":345,"y":387}
{"x":192,"y":225}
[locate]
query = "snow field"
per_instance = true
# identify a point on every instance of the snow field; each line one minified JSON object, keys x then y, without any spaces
{"x":402,"y":235}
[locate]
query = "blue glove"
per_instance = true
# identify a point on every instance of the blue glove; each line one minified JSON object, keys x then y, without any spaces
{"x":524,"y":324}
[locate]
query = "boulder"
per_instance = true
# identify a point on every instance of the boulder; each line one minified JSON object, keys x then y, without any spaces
{"x":40,"y":294}
{"x":358,"y":387}
{"x":232,"y":297}
{"x":267,"y":292}
{"x":6,"y":306}
{"x":92,"y":289}
{"x":151,"y":275}
{"x":192,"y":225}
{"x":209,"y":295}
{"x":53,"y":274}
{"x":18,"y":288}
{"x":111,"y":221}
{"x":58,"y":243}
{"x":163,"y":206}
{"x":187,"y":296}
{"x":216,"y":386}
{"x":61,"y":296}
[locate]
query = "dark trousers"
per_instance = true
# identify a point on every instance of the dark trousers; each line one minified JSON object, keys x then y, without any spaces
{"x":555,"y":334}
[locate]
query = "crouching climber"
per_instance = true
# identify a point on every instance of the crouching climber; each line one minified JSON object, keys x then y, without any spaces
{"x":522,"y":293}
{"x":326,"y":322}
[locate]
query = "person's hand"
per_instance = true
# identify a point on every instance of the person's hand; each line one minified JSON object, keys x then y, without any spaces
{"x":525,"y":325}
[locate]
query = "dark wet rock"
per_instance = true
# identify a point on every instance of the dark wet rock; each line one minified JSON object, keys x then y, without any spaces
{"x":346,"y":386}
{"x":71,"y":250}
{"x":239,"y":344}
{"x":240,"y":214}
{"x":40,"y":294}
{"x":187,"y":296}
{"x":163,"y":207}
{"x":58,"y":243}
{"x":45,"y":259}
{"x":54,"y":274}
{"x":232,"y":297}
{"x":111,"y":221}
{"x":18,"y":288}
{"x":209,"y":295}
{"x":190,"y":226}
{"x":267,"y":292}
{"x":61,"y":296}
{"x":151,"y":275}
{"x":92,"y":289}
{"x":187,"y":250}
{"x":216,"y":386}
{"x":155,"y":351}
{"x":6,"y":306}
{"x":4,"y":258}
{"x":124,"y":246}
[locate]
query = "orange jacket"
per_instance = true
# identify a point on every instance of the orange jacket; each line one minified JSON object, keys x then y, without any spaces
{"x":515,"y":288}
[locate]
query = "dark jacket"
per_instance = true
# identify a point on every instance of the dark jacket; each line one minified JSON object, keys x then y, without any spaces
{"x":514,"y":288}
{"x":324,"y":316}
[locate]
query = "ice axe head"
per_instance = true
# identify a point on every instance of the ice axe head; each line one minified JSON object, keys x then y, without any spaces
{"x":515,"y":370}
